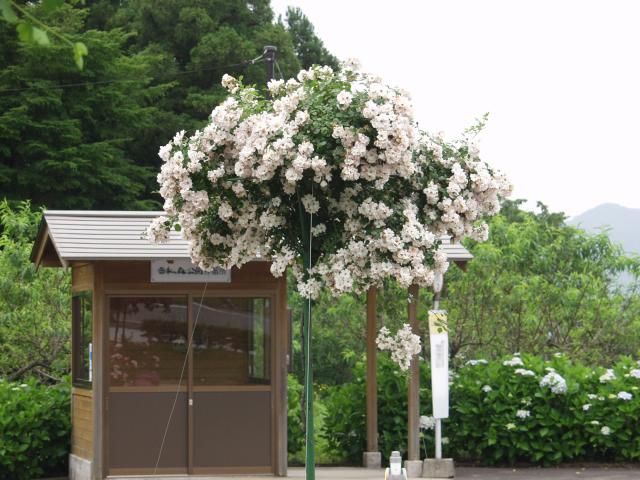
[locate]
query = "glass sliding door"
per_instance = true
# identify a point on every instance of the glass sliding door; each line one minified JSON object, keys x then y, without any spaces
{"x":148,"y":339}
{"x":232,"y":384}
{"x":221,"y":415}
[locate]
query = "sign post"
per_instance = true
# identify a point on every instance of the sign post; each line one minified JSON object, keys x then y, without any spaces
{"x":439,"y":340}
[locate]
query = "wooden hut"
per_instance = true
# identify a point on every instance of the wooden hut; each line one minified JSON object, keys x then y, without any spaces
{"x":143,"y":402}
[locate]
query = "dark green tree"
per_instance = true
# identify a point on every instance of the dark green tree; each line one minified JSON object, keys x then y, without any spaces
{"x":70,"y":138}
{"x":202,"y":40}
{"x":309,"y":48}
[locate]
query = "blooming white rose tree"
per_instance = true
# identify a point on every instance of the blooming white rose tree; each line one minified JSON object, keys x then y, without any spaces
{"x":327,"y":176}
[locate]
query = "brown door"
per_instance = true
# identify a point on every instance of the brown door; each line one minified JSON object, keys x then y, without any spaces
{"x":147,"y":352}
{"x":206,"y":410}
{"x":231,"y":405}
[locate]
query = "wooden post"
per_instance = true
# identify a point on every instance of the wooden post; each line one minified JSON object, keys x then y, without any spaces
{"x":372,"y":384}
{"x":413,"y":414}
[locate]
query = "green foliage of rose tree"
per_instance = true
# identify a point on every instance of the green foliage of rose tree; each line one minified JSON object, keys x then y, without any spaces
{"x":518,"y":409}
{"x":330,"y":177}
{"x":34,"y":430}
{"x":35,"y":304}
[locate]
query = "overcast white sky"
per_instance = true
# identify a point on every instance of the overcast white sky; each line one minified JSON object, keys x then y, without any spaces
{"x":560,"y":79}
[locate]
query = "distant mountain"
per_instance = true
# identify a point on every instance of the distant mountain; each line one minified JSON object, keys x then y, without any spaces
{"x":622,"y":224}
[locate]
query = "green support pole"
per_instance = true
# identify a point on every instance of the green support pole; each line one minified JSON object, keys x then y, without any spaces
{"x":310,"y":454}
{"x":310,"y":450}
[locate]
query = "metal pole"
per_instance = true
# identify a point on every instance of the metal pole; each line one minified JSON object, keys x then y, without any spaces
{"x":270,"y":60}
{"x":438,"y":439}
{"x":372,"y":385}
{"x":413,"y":404}
{"x":438,"y":284}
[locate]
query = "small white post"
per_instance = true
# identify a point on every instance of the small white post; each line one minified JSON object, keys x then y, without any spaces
{"x":438,"y":439}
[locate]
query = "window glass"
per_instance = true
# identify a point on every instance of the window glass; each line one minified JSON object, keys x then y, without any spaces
{"x":231,"y":341}
{"x":147,"y":340}
{"x":82,"y":316}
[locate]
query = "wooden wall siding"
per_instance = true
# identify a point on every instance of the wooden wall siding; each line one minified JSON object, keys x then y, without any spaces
{"x":82,"y":422}
{"x":135,"y":276}
{"x":82,"y":277}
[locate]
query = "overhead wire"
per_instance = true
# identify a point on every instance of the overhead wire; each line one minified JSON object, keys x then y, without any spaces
{"x":62,"y":86}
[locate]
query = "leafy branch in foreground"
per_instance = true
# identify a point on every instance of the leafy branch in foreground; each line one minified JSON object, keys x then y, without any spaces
{"x":31,"y":29}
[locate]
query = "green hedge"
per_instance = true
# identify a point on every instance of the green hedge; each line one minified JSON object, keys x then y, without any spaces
{"x":484,"y":425}
{"x":34,"y":430}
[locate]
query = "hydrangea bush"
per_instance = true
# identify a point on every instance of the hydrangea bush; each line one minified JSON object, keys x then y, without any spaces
{"x":505,"y":411}
{"x":331,"y":169}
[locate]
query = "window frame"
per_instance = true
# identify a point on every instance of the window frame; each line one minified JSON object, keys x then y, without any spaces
{"x":79,"y":302}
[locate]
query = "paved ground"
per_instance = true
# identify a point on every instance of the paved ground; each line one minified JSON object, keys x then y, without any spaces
{"x":335,"y":473}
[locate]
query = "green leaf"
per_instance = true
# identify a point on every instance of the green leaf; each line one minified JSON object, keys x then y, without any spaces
{"x":79,"y":52}
{"x":25,"y":32}
{"x":40,"y":36}
{"x":50,"y":5}
{"x":7,"y":11}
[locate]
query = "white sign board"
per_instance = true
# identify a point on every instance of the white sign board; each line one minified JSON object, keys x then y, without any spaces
{"x":439,"y":339}
{"x":181,"y":270}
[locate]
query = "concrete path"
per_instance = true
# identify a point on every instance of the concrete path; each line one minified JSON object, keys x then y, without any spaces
{"x":328,"y":473}
{"x":465,"y":473}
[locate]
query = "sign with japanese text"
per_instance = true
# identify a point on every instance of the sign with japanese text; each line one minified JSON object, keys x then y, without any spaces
{"x":183,"y":271}
{"x":439,"y":340}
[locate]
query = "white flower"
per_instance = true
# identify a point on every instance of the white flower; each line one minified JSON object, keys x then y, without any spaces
{"x":445,"y":440}
{"x":473,"y":363}
{"x":350,"y":65}
{"x":635,"y":373}
{"x":427,"y":422}
{"x":487,"y":388}
{"x":524,"y":372}
{"x":554,"y":382}
{"x":275,"y":86}
{"x":607,"y":376}
{"x":523,"y":414}
{"x":158,"y":231}
{"x":311,"y":205}
{"x":510,"y":426}
{"x":605,"y":431}
{"x":624,"y":396}
{"x":586,"y":406}
{"x":230,"y":83}
{"x":403,"y":346}
{"x":344,"y":99}
{"x":514,"y":362}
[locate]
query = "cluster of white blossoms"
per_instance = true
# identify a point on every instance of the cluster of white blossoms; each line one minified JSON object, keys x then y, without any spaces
{"x":402,"y":346}
{"x":607,"y":376}
{"x":624,"y":396}
{"x":524,"y":372}
{"x":523,"y":414}
{"x":329,"y":176}
{"x":514,"y":362}
{"x":473,"y":363}
{"x":555,"y":382}
{"x":427,"y":422}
